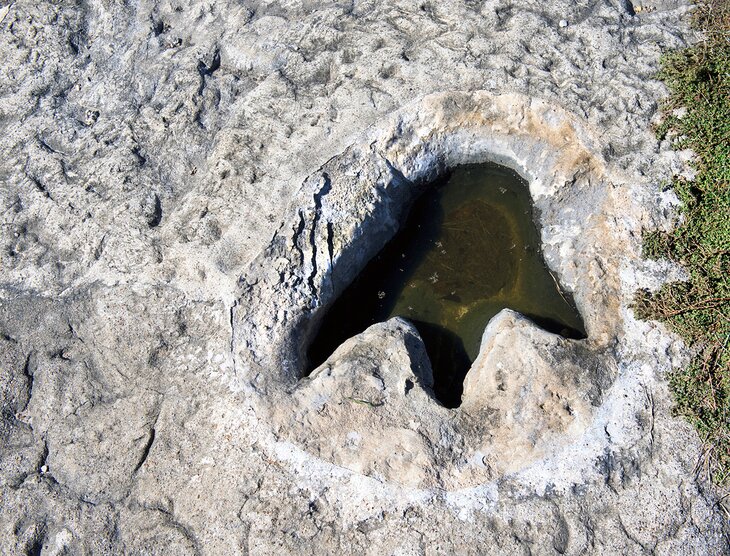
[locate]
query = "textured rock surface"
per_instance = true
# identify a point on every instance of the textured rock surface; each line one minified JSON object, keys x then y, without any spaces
{"x":185,"y":186}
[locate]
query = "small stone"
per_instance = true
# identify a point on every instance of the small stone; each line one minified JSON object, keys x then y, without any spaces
{"x":563,"y":23}
{"x":90,"y":117}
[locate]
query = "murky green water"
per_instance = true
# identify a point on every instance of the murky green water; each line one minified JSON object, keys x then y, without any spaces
{"x":468,"y":249}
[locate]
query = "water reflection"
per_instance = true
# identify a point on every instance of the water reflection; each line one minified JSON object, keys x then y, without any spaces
{"x":468,"y":249}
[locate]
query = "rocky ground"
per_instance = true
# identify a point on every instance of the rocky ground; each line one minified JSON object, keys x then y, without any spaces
{"x":186,"y":185}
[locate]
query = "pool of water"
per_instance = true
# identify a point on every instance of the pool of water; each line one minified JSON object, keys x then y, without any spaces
{"x":468,"y":248}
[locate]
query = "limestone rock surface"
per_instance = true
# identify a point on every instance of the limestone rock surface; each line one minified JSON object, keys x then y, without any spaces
{"x":186,"y":186}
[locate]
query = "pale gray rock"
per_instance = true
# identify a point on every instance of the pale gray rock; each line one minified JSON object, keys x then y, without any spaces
{"x":186,"y":186}
{"x":377,"y":388}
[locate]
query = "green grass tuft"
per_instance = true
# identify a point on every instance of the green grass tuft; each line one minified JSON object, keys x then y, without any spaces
{"x":697,"y":117}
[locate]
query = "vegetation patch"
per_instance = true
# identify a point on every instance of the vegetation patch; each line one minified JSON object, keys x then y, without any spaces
{"x":697,"y":117}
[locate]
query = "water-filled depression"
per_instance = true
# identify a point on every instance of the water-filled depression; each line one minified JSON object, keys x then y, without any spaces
{"x":468,"y":249}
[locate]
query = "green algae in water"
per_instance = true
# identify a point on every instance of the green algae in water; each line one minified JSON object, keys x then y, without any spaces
{"x":468,"y":249}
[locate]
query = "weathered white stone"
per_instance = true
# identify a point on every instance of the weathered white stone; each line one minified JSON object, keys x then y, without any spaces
{"x":368,"y":407}
{"x":540,"y":394}
{"x":170,"y":240}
